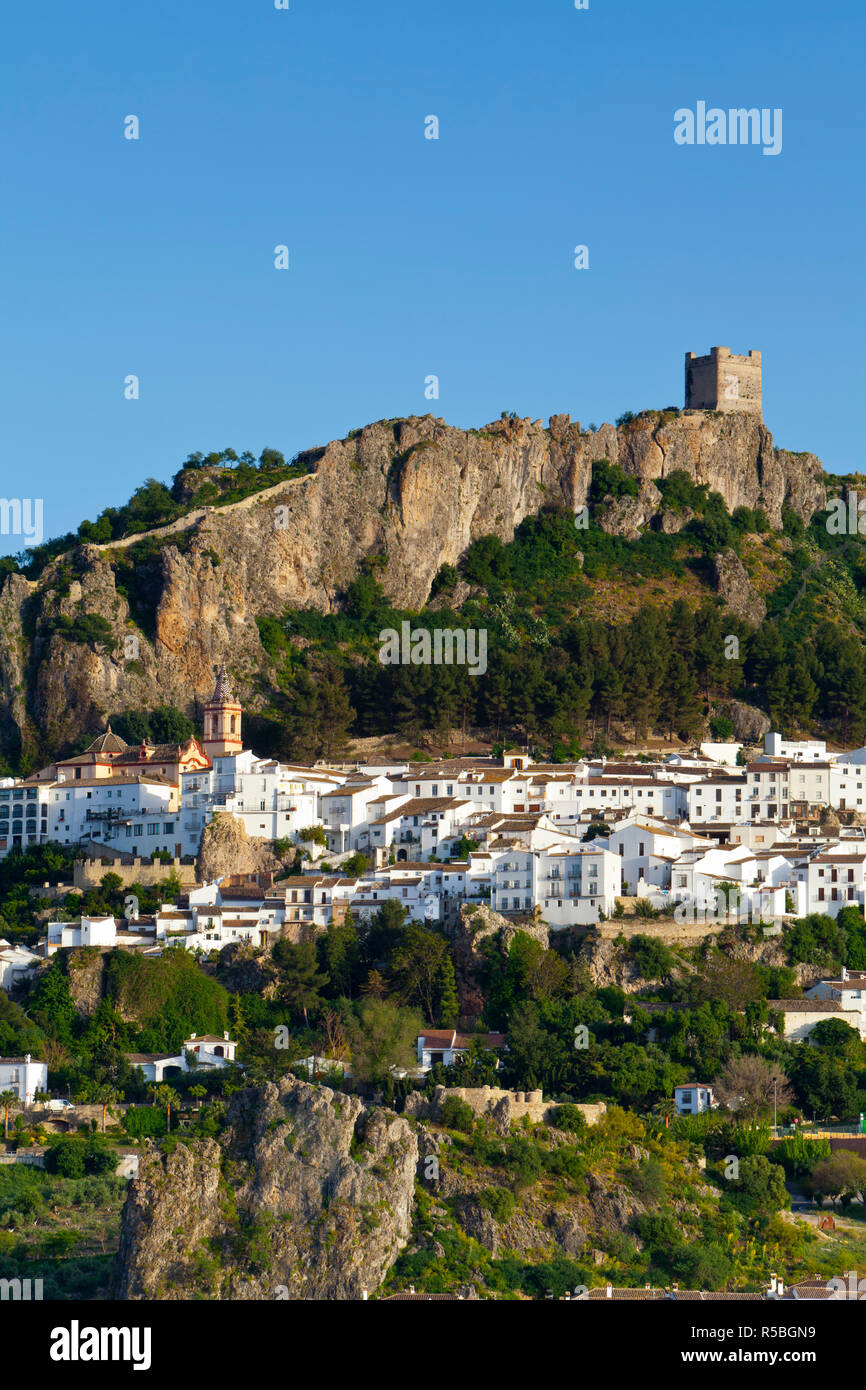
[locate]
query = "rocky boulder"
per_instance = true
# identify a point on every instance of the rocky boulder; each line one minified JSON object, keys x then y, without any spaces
{"x":226,"y":848}
{"x":307,"y":1195}
{"x":750,"y":724}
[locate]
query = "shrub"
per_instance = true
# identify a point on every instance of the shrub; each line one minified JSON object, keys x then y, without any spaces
{"x":653,"y":959}
{"x":66,"y":1158}
{"x":570,"y":1118}
{"x":609,"y":480}
{"x":454,"y":1113}
{"x":799,"y":1155}
{"x":144,"y":1121}
{"x":499,"y":1201}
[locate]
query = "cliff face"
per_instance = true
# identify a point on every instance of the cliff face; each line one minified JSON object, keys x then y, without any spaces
{"x":308,"y":1195}
{"x":416,"y":491}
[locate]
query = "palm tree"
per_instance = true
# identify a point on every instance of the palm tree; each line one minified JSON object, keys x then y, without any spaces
{"x":667,"y":1111}
{"x":166,"y":1097}
{"x":7,"y":1100}
{"x":106,"y":1095}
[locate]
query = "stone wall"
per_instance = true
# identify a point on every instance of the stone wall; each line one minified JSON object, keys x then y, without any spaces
{"x":88,"y":873}
{"x":504,"y":1108}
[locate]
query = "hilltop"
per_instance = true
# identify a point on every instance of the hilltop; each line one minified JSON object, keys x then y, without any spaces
{"x":284,"y":570}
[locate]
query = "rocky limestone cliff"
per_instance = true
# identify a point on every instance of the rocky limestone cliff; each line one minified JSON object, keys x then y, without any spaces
{"x":308,"y":1195}
{"x":417,"y":491}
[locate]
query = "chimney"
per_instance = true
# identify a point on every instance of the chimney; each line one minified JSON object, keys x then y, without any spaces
{"x":773,"y":1283}
{"x":364,"y":1295}
{"x":226,"y":1036}
{"x":608,"y":1293}
{"x":411,"y":1288}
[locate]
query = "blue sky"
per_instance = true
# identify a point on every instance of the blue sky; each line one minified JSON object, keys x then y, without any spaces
{"x":411,"y":257}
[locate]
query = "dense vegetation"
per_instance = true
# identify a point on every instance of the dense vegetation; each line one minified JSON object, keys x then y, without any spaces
{"x":361,"y":991}
{"x":561,"y":680}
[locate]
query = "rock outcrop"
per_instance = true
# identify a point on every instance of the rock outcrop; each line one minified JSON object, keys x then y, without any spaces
{"x":226,"y":848}
{"x":416,"y":491}
{"x":735,"y":588}
{"x":308,"y":1195}
{"x":750,"y":723}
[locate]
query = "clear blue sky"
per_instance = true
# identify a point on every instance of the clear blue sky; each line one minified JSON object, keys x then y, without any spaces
{"x":411,"y":256}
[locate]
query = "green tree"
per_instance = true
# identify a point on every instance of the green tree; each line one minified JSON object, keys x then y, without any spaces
{"x":299,"y":982}
{"x":383,"y":1036}
{"x":9,"y":1100}
{"x":417,"y":966}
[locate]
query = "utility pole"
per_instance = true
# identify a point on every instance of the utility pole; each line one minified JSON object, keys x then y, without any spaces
{"x":775,"y":1110}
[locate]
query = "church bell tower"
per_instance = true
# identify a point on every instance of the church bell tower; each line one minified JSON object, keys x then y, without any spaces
{"x":222,"y":720}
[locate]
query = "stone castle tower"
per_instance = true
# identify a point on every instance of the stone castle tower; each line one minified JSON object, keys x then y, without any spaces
{"x":723,"y":381}
{"x":222,"y":720}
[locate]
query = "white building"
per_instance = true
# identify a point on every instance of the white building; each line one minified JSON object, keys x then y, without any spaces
{"x":848,"y":991}
{"x":138,"y":814}
{"x":647,"y":850}
{"x":17,"y":964}
{"x":693,"y":1098}
{"x":836,"y":878}
{"x":801,"y":1016}
{"x":23,"y":1075}
{"x":272,"y":800}
{"x":211,"y":1052}
{"x":800,"y":750}
{"x":447,"y":1046}
{"x":105,"y":932}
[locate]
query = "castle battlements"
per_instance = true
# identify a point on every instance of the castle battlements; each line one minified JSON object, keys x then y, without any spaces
{"x":722,"y":380}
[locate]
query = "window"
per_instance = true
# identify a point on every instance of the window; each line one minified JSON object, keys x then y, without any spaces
{"x":153,"y":828}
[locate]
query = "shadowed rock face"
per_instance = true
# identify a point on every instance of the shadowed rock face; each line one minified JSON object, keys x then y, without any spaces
{"x":415,"y":490}
{"x":308,"y":1195}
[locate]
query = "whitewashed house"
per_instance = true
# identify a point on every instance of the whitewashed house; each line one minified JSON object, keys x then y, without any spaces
{"x":693,"y":1098}
{"x":23,"y":1075}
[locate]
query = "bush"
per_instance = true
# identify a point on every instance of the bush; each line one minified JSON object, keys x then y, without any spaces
{"x":648,"y":1182}
{"x":66,"y":1158}
{"x":799,"y":1155}
{"x":569,"y":1118}
{"x":454,"y":1113}
{"x":523,"y":1162}
{"x":609,"y":480}
{"x":499,"y":1201}
{"x":145,"y":1122}
{"x":653,"y":959}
